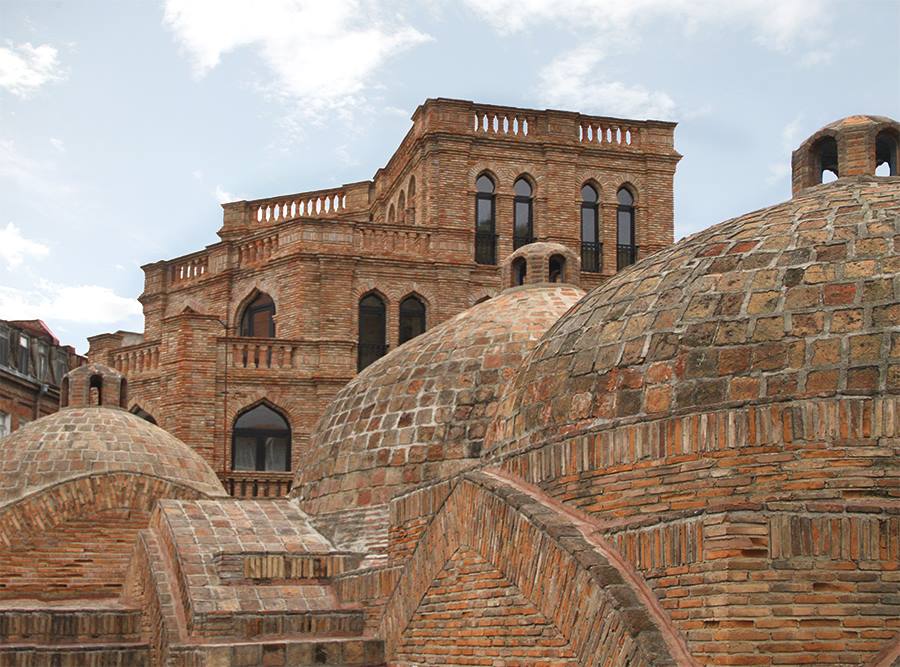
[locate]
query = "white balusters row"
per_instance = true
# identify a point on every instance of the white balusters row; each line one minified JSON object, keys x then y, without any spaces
{"x":304,"y":206}
{"x":493,"y":123}
{"x":607,"y":134}
{"x":189,"y":269}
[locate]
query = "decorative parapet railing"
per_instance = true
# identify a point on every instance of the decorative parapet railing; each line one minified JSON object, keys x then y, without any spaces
{"x":263,"y":353}
{"x":500,"y":121}
{"x":304,"y":205}
{"x":394,"y":240}
{"x":188,"y":268}
{"x":608,"y":132}
{"x":251,"y":484}
{"x":257,"y":250}
{"x":137,"y":359}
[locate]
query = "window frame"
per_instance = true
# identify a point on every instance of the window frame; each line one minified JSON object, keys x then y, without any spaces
{"x":626,"y":253}
{"x":486,"y":242}
{"x":378,"y":350}
{"x":400,"y":317}
{"x":260,"y":435}
{"x":250,"y":312}
{"x":519,"y":241}
{"x":592,"y":251}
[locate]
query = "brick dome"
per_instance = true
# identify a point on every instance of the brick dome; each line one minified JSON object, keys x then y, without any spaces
{"x":726,"y":411}
{"x":420,"y":413}
{"x":84,"y":441}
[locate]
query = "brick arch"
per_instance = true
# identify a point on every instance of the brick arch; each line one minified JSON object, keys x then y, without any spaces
{"x":584,"y":590}
{"x":889,"y":656}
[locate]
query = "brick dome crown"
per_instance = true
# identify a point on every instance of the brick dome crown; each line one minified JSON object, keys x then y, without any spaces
{"x":420,"y":412}
{"x":84,"y":441}
{"x":795,"y":301}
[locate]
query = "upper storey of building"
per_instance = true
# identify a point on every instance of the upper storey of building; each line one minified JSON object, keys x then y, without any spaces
{"x":527,"y":168}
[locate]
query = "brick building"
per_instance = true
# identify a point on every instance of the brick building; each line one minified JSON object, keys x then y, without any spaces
{"x":695,"y":463}
{"x":32,"y":366}
{"x":303,"y":290}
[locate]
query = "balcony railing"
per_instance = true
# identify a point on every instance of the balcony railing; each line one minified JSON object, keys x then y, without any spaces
{"x":369,"y":353}
{"x":591,"y":256}
{"x":485,"y":248}
{"x":626,"y":255}
{"x":257,"y":484}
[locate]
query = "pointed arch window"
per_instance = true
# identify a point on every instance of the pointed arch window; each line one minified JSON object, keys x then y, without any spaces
{"x":825,"y":151}
{"x":259,"y":317}
{"x":519,"y":271}
{"x":261,"y":440}
{"x":626,"y":248}
{"x":372,"y":344}
{"x":412,"y":318}
{"x":485,"y":224}
{"x":523,"y":225}
{"x":591,"y":248}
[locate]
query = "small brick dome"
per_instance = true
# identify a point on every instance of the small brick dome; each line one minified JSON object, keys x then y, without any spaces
{"x":82,"y":441}
{"x":421,"y":412}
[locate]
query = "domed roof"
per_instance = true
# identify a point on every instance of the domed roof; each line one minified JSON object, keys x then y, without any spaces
{"x":796,"y":300}
{"x":81,"y":441}
{"x":421,"y":411}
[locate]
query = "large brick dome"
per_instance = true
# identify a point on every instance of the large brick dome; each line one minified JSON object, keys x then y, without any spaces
{"x":727,"y":410}
{"x":91,"y":441}
{"x":420,"y":413}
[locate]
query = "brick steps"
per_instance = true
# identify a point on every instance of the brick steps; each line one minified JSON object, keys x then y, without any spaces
{"x":323,"y":652}
{"x":120,"y":654}
{"x":67,"y":625}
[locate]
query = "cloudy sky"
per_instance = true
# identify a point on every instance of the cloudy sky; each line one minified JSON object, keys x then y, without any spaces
{"x":124,"y":123}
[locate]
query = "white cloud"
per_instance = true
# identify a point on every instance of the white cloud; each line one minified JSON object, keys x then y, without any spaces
{"x":790,"y":134}
{"x":25,"y":68}
{"x":322,"y":55}
{"x":58,"y":144}
{"x":223,"y":196}
{"x":572,"y":81}
{"x":779,"y":25}
{"x":34,"y":177}
{"x":15,"y":248}
{"x":84,"y":304}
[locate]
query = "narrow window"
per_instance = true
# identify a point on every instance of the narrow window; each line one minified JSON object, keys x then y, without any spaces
{"x":886,"y":154}
{"x":825,"y":151}
{"x":412,"y":318}
{"x":23,"y":363}
{"x":4,"y":346}
{"x":401,"y":207}
{"x":43,"y":362}
{"x":259,"y":317}
{"x":261,"y":440}
{"x":524,"y":209}
{"x":626,"y":250}
{"x":519,"y":271}
{"x":557,"y":269}
{"x":372,"y":339}
{"x":411,"y":189}
{"x":591,"y":248}
{"x":4,"y":424}
{"x":485,"y":228}
{"x":391,"y":213}
{"x":95,"y":390}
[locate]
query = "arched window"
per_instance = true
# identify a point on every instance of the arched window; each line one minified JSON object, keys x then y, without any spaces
{"x":591,"y":248}
{"x":401,"y":206}
{"x":825,"y":151}
{"x":412,"y":318}
{"x":485,"y":226}
{"x":524,"y":214}
{"x":411,"y":189}
{"x":261,"y":440}
{"x":626,"y":250}
{"x":391,"y":213}
{"x":95,"y":390}
{"x":372,"y":339}
{"x":519,"y":271}
{"x":886,"y":154}
{"x":259,"y":317}
{"x":143,"y":414}
{"x":557,"y":269}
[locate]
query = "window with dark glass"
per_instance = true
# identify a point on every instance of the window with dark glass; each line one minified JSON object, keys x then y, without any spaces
{"x":412,"y":318}
{"x":886,"y":154}
{"x":626,"y":250}
{"x":524,"y":209}
{"x":591,"y":248}
{"x":372,"y":338}
{"x":4,"y":346}
{"x":519,"y":271}
{"x":43,"y":362}
{"x":259,"y":318}
{"x":261,"y":441}
{"x":485,"y":226}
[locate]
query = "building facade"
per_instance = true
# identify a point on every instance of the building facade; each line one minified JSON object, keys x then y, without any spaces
{"x":248,"y":340}
{"x":32,"y":366}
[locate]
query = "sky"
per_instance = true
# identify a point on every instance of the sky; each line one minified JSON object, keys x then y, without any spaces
{"x":125,"y":123}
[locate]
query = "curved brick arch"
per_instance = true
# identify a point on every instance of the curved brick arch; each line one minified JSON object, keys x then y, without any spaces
{"x":889,"y":656}
{"x":75,"y":498}
{"x":587,"y":593}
